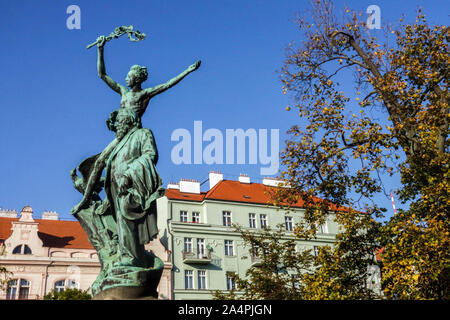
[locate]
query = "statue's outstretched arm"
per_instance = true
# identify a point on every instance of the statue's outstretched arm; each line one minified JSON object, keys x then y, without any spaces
{"x":101,"y":67}
{"x":150,"y":92}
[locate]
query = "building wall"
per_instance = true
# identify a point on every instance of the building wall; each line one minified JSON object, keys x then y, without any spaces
{"x":81,"y":266}
{"x":42,"y":266}
{"x":213,"y":232}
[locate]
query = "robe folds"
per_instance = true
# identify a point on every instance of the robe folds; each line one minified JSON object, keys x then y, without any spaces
{"x":135,"y":157}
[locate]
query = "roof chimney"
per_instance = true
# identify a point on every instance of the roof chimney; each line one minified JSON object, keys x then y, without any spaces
{"x":214,"y":178}
{"x":50,"y":215}
{"x":8,"y":213}
{"x":173,"y":185}
{"x":274,"y":182}
{"x":189,"y":186}
{"x":243,"y":178}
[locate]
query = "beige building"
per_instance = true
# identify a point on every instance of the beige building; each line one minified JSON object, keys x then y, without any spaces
{"x":48,"y":253}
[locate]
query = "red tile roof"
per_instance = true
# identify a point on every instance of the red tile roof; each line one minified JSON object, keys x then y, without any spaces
{"x":53,"y":233}
{"x":230,"y":190}
{"x":235,"y":191}
{"x":379,"y":253}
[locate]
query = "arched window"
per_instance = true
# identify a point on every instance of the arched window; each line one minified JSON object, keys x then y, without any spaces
{"x":17,"y":250}
{"x":22,"y":249}
{"x":26,"y":249}
{"x":18,"y":289}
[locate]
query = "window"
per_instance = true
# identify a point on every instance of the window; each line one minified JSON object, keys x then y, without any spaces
{"x":230,"y":281}
{"x":201,"y":279}
{"x":252,"y":220}
{"x":288,"y":223}
{"x":187,"y":244}
{"x":323,"y":228}
{"x":263,"y":220}
{"x":72,"y":284}
{"x":22,"y":249}
{"x":226,"y":218}
{"x":201,"y":248}
{"x":11,"y":291}
{"x":18,"y":289}
{"x":26,"y":249}
{"x":183,"y":216}
{"x":61,"y":285}
{"x":188,"y":279}
{"x":229,"y":248}
{"x":295,"y":282}
{"x":196,"y":217}
{"x":316,"y":251}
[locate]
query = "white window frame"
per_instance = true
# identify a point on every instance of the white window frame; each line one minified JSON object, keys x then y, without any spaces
{"x":183,"y":216}
{"x":230,"y":282}
{"x":229,"y":248}
{"x":72,"y":284}
{"x":187,"y":244}
{"x":195,"y":217}
{"x":201,"y":280}
{"x":316,"y":251}
{"x":252,"y":220}
{"x":323,"y":228}
{"x":263,"y":221}
{"x":188,"y":279}
{"x":226,"y":218}
{"x":201,"y":248}
{"x":64,"y":284}
{"x":288,"y":223}
{"x":16,"y":286}
{"x":59,"y":285}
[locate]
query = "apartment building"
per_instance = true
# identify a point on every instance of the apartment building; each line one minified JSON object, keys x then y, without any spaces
{"x":197,"y":228}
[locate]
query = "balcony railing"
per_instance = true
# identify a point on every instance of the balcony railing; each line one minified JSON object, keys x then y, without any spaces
{"x":199,"y":258}
{"x":256,"y":261}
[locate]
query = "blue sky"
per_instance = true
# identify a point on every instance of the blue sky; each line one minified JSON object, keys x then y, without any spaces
{"x":53,"y":106}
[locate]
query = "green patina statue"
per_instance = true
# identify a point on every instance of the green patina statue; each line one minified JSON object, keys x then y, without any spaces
{"x":120,"y":225}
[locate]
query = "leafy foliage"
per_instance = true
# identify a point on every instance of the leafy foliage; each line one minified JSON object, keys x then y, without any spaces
{"x":344,"y":150}
{"x":68,"y":294}
{"x":4,"y":277}
{"x":340,"y":152}
{"x":280,"y":270}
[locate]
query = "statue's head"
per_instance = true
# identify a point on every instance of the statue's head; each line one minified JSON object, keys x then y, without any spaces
{"x":136,"y":75}
{"x":126,"y":120}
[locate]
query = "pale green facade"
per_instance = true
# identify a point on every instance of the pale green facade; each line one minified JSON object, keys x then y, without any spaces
{"x":196,"y":277}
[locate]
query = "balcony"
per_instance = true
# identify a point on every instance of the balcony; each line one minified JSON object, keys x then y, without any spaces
{"x":197,"y":258}
{"x":256,"y":261}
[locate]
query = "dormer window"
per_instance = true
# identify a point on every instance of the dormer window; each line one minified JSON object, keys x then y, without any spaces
{"x":22,"y":249}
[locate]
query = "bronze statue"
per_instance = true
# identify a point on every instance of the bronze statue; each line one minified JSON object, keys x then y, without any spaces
{"x":120,"y":225}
